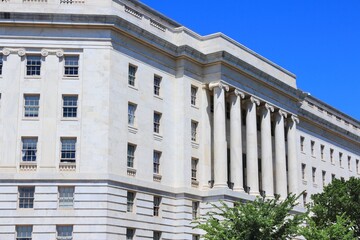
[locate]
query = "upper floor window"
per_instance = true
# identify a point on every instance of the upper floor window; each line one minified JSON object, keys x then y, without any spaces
{"x":157,"y":82}
{"x":130,"y":201}
{"x":131,"y":114}
{"x":157,"y":235}
{"x":304,"y":198}
{"x":24,"y":232}
{"x":64,"y":232}
{"x":349,"y":162}
{"x":357,"y":166}
{"x":33,"y":65}
{"x":26,"y":197}
{"x":157,"y":202}
{"x":195,"y":237}
{"x":332,"y":155}
{"x":130,"y":155}
{"x":130,"y":233}
{"x":193,"y":95}
{"x":157,"y":119}
{"x":303,"y":171}
{"x":324,"y":177}
{"x":1,"y":63}
{"x":66,"y":197}
{"x":333,"y":177}
{"x":71,"y":66}
{"x":340,"y":159}
{"x":194,"y":126}
{"x":157,"y":156}
{"x":322,"y":147}
{"x":70,"y":103}
{"x":68,"y":150}
{"x":314,"y":175}
{"x":312,"y":148}
{"x":302,"y":140}
{"x":194,"y":166}
{"x":132,"y":75}
{"x":195,"y":209}
{"x":29,"y":149}
{"x":31,"y":106}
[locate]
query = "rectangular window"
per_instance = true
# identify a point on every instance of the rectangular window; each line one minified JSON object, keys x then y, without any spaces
{"x":130,"y":201}
{"x":194,"y":166}
{"x":349,"y":162}
{"x":132,"y":73}
{"x":332,"y":155}
{"x":193,"y":95}
{"x":324,"y":178}
{"x":24,"y":232}
{"x":157,"y":119}
{"x":357,"y":166}
{"x":157,"y":82}
{"x":322,"y":147}
{"x":33,"y":65}
{"x":64,"y":232}
{"x":156,"y":158}
{"x":302,"y":140}
{"x":130,"y":233}
{"x":131,"y":114}
{"x":31,"y":105}
{"x":157,"y":235}
{"x":157,"y":202}
{"x":314,"y":175}
{"x":26,"y":197}
{"x":29,"y":149}
{"x":340,"y":159}
{"x":303,"y":171}
{"x":71,"y":66}
{"x":130,"y":155}
{"x":304,"y":198}
{"x":332,"y":177}
{"x":66,"y":197}
{"x":70,"y":106}
{"x":68,"y":150}
{"x":1,"y":64}
{"x":195,"y":237}
{"x":195,"y":209}
{"x":312,"y":148}
{"x":194,"y":126}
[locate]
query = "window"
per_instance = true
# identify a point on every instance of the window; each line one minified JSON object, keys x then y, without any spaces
{"x":157,"y":82}
{"x":314,"y":175}
{"x":130,"y":233}
{"x":303,"y":171}
{"x":349,"y":163}
{"x":302,"y":140}
{"x":23,"y":232}
{"x":194,"y":126}
{"x":1,"y":64}
{"x":357,"y":166}
{"x":157,"y":119}
{"x":64,"y":232}
{"x":195,"y":209}
{"x":304,"y":198}
{"x":332,"y":177}
{"x":71,"y":66}
{"x":322,"y":147}
{"x":130,"y":201}
{"x":33,"y":65}
{"x":26,"y":197}
{"x":156,"y":158}
{"x":29,"y":149}
{"x":194,"y":165}
{"x":70,"y":106}
{"x":157,"y":202}
{"x":130,"y":155}
{"x":193,"y":95}
{"x":31,"y":105}
{"x":131,"y":114}
{"x":68,"y":150}
{"x":324,"y":178}
{"x":195,"y":237}
{"x":132,"y":73}
{"x":340,"y":159}
{"x":66,"y":197}
{"x":332,"y":155}
{"x":312,"y":148}
{"x":157,"y":235}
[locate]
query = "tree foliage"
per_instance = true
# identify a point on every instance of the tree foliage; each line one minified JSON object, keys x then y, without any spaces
{"x":338,"y":198}
{"x":260,"y":219}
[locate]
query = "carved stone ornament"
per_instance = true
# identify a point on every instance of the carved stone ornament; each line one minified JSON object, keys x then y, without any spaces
{"x":267,"y":107}
{"x":295,"y":119}
{"x":218,"y":84}
{"x":20,"y":51}
{"x":58,"y":52}
{"x":282,"y":113}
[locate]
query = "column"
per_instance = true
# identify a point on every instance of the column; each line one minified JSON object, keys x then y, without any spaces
{"x":252,"y":146}
{"x":236,"y":140}
{"x":220,"y":144}
{"x":206,"y":138}
{"x":266,"y":151}
{"x":280,"y":155}
{"x":292,"y":154}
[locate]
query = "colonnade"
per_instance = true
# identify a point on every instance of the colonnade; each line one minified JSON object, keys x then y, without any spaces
{"x":268,"y":175}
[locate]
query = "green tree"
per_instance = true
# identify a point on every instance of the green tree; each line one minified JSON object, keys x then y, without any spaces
{"x":260,"y":219}
{"x":338,"y":198}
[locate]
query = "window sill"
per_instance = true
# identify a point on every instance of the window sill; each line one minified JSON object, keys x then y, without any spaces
{"x":302,"y":152}
{"x":28,"y":166}
{"x":71,"y":78}
{"x":194,"y":106}
{"x":333,"y":163}
{"x":30,"y":77}
{"x":323,"y":160}
{"x":157,"y":177}
{"x":313,"y":156}
{"x":131,"y":172}
{"x":67,"y":166}
{"x":133,"y":87}
{"x":304,"y":182}
{"x":158,"y":97}
{"x":195,"y":145}
{"x":69,"y":119}
{"x":194,"y":183}
{"x":132,"y":129}
{"x":158,"y":137}
{"x":315,"y":185}
{"x":31,"y":119}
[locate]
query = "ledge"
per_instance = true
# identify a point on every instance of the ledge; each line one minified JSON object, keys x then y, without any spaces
{"x":131,"y":172}
{"x":157,"y":177}
{"x":67,"y":167}
{"x":28,"y":166}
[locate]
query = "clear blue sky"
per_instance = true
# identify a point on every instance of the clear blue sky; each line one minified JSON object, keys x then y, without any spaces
{"x":318,"y":40}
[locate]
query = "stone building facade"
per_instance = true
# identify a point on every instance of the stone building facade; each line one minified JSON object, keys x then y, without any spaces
{"x":116,"y":122}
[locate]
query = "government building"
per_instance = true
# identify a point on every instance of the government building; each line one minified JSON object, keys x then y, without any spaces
{"x":117,"y":122}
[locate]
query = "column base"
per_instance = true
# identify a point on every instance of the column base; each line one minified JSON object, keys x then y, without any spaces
{"x":220,"y":185}
{"x":254,"y":193}
{"x":238,"y":189}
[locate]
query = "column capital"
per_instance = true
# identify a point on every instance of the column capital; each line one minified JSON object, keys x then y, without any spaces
{"x":236,"y":93}
{"x":58,"y":52}
{"x":282,"y":113}
{"x":218,"y":84}
{"x":267,"y":107}
{"x":252,"y":100}
{"x":20,"y":51}
{"x":293,"y":118}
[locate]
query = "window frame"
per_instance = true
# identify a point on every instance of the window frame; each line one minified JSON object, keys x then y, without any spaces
{"x":313,"y":175}
{"x":30,"y":108}
{"x":74,"y":67}
{"x":130,"y":233}
{"x":69,"y":110}
{"x":302,"y":141}
{"x":130,"y":202}
{"x":194,"y":168}
{"x":194,"y":127}
{"x":157,"y":235}
{"x":1,"y":64}
{"x":26,"y":237}
{"x":132,"y":77}
{"x":131,"y":158}
{"x":71,"y":151}
{"x":193,"y":95}
{"x":132,"y":115}
{"x":68,"y":200}
{"x":156,"y":161}
{"x":24,"y":201}
{"x":156,"y":206}
{"x":157,"y":122}
{"x":157,"y":87}
{"x":303,"y":171}
{"x":195,"y":209}
{"x":68,"y":237}
{"x":25,"y":156}
{"x":31,"y":67}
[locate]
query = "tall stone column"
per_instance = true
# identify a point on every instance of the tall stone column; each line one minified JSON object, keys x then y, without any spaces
{"x":280,"y":155}
{"x":220,"y":144}
{"x":266,"y":151}
{"x":292,"y":154}
{"x":252,"y":146}
{"x":236,"y":140}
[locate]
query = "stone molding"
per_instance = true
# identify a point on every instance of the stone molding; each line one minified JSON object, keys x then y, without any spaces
{"x":19,"y":51}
